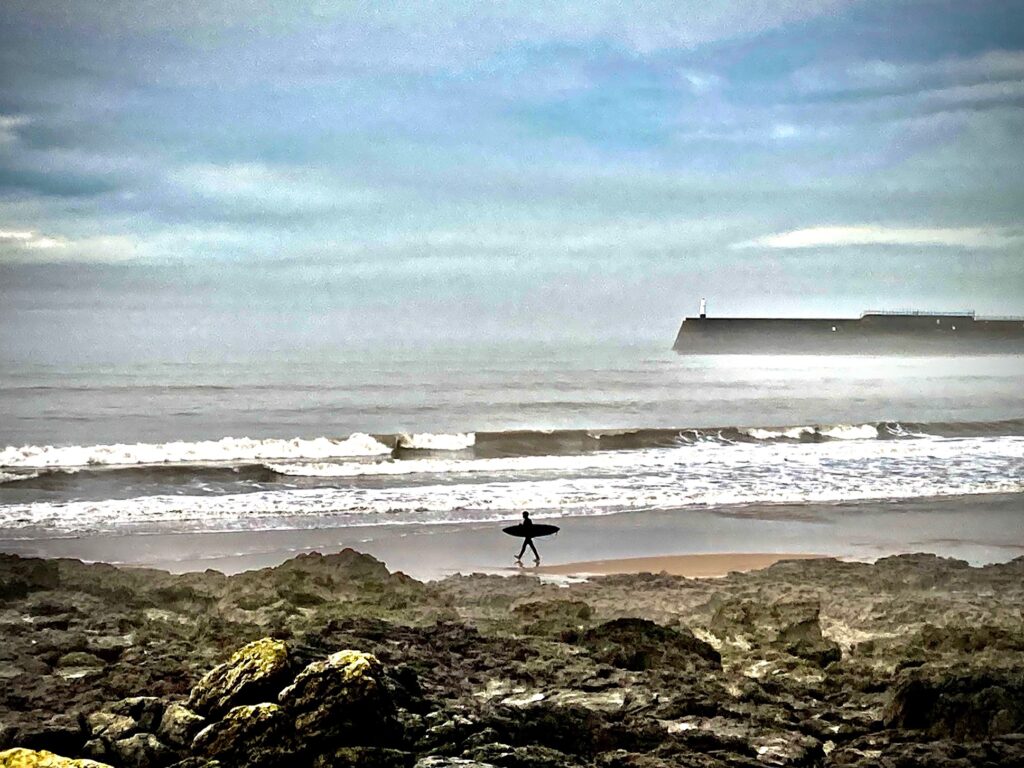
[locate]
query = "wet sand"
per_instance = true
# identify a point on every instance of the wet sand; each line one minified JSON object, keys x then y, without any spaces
{"x":979,"y":529}
{"x":691,"y":566}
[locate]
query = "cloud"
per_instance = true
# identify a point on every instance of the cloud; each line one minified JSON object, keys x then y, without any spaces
{"x":28,"y":239}
{"x":24,"y":245}
{"x":9,"y":125}
{"x":838,"y":237}
{"x":258,"y":186}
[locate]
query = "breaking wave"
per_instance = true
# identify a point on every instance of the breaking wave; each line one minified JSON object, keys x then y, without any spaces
{"x":401,"y":454}
{"x":226,"y":450}
{"x":686,"y":476}
{"x":427,"y":441}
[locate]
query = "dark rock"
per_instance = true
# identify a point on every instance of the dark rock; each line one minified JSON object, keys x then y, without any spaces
{"x":250,"y":736}
{"x":143,"y":750}
{"x":639,"y":644}
{"x":179,"y":725}
{"x":960,"y":706}
{"x":145,"y":710}
{"x":365,"y":757}
{"x":532,"y":756}
{"x":61,"y":734}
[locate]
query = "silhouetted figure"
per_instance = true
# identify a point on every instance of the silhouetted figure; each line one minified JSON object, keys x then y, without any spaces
{"x":528,"y":539}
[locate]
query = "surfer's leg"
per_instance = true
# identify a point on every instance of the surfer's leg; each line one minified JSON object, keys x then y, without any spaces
{"x":521,"y":551}
{"x":536,"y":554}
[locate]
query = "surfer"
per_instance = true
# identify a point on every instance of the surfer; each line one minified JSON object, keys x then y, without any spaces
{"x":527,"y":526}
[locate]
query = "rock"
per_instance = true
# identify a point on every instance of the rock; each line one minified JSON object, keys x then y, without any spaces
{"x":450,"y":762}
{"x":143,"y":750}
{"x":61,"y":732}
{"x":531,"y":756}
{"x":564,"y":617}
{"x":961,"y":706}
{"x":252,"y":674}
{"x":342,"y":699}
{"x":249,"y":736}
{"x":29,"y":758}
{"x":110,"y":727}
{"x":638,"y":644}
{"x":80,"y":659}
{"x":365,"y":757}
{"x":12,"y":588}
{"x":145,"y":710}
{"x":179,"y":725}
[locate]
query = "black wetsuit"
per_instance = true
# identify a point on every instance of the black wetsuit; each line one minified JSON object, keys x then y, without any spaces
{"x":528,"y":541}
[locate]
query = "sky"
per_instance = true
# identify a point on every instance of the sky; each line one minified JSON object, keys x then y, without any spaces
{"x":255,"y":174}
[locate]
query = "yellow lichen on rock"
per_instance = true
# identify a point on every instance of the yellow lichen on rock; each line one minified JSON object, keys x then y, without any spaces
{"x":267,"y":654}
{"x":30,"y":758}
{"x":254,"y":712}
{"x":353,"y":664}
{"x":252,"y":671}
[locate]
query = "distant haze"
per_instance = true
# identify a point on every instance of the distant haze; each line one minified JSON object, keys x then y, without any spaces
{"x":180,"y":179}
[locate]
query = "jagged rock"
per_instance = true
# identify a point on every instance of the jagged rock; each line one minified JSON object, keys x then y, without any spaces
{"x":961,"y":706}
{"x":565,"y":617}
{"x":61,"y":732}
{"x":342,"y":699}
{"x":365,"y":757}
{"x":252,"y":674}
{"x":638,"y":644}
{"x":143,"y":750}
{"x":29,"y":758}
{"x":145,"y":710}
{"x":249,"y":736}
{"x":450,"y":762}
{"x":110,"y":727}
{"x":179,"y":725}
{"x":531,"y":756}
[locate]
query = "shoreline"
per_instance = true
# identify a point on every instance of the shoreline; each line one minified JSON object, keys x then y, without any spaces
{"x":979,"y":529}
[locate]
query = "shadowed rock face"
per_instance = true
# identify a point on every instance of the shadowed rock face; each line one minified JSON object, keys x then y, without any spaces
{"x":333,"y":661}
{"x":639,"y":644}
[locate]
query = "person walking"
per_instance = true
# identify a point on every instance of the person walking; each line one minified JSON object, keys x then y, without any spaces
{"x":527,"y":540}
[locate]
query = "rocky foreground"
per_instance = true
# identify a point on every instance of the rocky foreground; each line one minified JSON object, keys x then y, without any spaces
{"x":334,"y":661}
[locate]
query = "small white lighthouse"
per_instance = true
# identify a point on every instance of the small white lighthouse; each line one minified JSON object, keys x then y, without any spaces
{"x":703,"y":308}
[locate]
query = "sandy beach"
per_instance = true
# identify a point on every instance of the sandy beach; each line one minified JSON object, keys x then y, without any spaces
{"x":690,"y":566}
{"x":979,"y":529}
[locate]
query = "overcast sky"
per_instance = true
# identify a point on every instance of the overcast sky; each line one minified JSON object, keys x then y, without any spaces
{"x":542,"y":170}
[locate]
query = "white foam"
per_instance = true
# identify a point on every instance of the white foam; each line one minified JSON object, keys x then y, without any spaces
{"x":427,"y":441}
{"x":226,"y":450}
{"x":793,"y":433}
{"x":13,"y":477}
{"x":850,"y":432}
{"x":661,"y":478}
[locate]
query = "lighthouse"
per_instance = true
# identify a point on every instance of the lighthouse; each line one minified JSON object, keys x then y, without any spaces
{"x":703,"y":308}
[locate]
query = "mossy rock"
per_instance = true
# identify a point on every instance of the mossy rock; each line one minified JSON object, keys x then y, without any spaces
{"x":250,"y":735}
{"x":343,"y":699}
{"x":254,"y":673}
{"x":30,"y":758}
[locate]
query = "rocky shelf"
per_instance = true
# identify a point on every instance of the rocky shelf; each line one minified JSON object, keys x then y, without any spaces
{"x":333,"y":661}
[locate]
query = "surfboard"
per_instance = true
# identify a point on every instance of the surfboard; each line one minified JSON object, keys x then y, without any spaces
{"x":535,"y":530}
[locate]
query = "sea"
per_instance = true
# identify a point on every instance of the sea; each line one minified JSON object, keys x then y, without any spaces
{"x":474,"y":434}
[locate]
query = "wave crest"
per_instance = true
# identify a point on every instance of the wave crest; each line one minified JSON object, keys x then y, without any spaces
{"x":225,"y":450}
{"x":427,"y":441}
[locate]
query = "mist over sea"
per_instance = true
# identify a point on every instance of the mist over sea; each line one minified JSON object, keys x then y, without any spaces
{"x":476,"y":434}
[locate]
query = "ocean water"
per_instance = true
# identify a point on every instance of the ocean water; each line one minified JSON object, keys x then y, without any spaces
{"x":474,"y":434}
